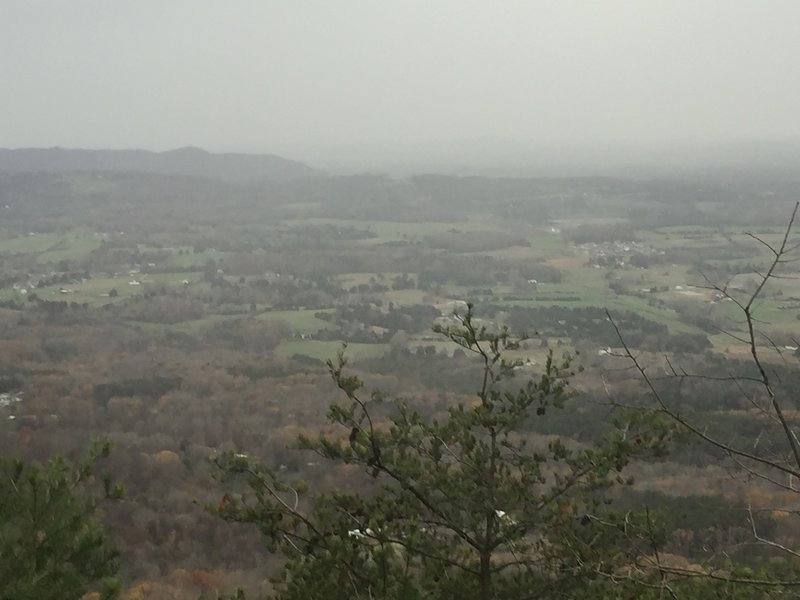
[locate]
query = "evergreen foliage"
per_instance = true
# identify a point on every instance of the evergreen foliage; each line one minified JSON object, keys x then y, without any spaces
{"x":51,"y":545}
{"x":466,"y":506}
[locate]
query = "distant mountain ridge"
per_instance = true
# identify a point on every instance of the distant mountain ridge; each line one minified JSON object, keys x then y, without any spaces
{"x":239,"y":168}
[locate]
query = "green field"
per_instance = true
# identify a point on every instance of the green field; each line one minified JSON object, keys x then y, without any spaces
{"x":95,"y":291}
{"x":581,"y":285}
{"x":52,"y":247}
{"x":323,"y":350}
{"x":301,"y":321}
{"x":396,"y":230}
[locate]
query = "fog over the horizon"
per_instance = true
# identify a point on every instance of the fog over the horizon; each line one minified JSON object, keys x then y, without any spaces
{"x":269,"y":76}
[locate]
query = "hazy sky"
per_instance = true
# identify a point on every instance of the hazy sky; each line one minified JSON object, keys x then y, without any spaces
{"x":259,"y":75}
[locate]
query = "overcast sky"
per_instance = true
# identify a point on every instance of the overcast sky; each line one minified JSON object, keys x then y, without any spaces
{"x":260,"y":75}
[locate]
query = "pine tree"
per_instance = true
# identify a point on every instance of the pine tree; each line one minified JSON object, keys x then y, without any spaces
{"x":467,"y":506}
{"x":51,"y":545}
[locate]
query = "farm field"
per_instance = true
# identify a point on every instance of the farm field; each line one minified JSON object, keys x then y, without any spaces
{"x":301,"y":321}
{"x":660,"y":292}
{"x":324,"y":350}
{"x":51,"y":247}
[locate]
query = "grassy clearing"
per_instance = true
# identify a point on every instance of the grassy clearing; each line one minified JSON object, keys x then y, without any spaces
{"x":193,"y":327}
{"x":442,"y":346}
{"x":666,"y":316}
{"x":395,"y":230}
{"x":348,"y":280}
{"x":768,"y":316}
{"x":28,"y":244}
{"x":52,"y":247}
{"x":191,"y":259}
{"x":301,"y":321}
{"x":725,"y":344}
{"x":549,"y":242}
{"x":7,"y":295}
{"x":323,"y":350}
{"x":95,"y":291}
{"x":406,"y":297}
{"x":71,"y":247}
{"x":193,"y":278}
{"x":658,"y":276}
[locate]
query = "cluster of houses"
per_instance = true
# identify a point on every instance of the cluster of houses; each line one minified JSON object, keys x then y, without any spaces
{"x":41,"y":280}
{"x":8,"y":399}
{"x":617,"y":254}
